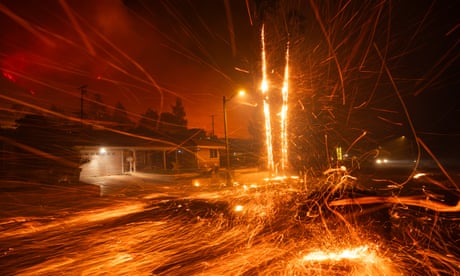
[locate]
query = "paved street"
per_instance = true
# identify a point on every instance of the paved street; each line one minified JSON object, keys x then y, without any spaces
{"x":27,"y":200}
{"x":148,"y":224}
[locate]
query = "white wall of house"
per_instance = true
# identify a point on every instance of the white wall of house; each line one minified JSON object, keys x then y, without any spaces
{"x":114,"y":160}
{"x":208,"y":158}
{"x":101,"y":163}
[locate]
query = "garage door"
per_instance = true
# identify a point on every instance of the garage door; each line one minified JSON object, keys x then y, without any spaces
{"x":102,"y":164}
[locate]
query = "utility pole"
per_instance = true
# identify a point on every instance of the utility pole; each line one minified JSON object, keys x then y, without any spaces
{"x":227,"y":148}
{"x":82,"y":92}
{"x":225,"y":100}
{"x":212,"y":126}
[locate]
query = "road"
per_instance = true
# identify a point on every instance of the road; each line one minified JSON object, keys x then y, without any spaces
{"x":125,"y":225}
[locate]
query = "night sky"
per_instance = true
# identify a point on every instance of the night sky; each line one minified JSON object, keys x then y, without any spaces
{"x":127,"y":51}
{"x":143,"y":53}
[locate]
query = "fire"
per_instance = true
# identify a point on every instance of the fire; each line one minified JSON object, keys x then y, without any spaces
{"x":238,"y":208}
{"x":264,"y":88}
{"x":284,"y":111}
{"x":283,"y":114}
{"x":357,"y":253}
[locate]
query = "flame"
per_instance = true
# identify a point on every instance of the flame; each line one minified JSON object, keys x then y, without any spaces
{"x":284,"y":110}
{"x":361,"y":252}
{"x":264,"y":89}
{"x":283,"y":114}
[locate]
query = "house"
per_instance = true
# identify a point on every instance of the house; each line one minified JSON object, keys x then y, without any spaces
{"x":207,"y":153}
{"x":108,"y":153}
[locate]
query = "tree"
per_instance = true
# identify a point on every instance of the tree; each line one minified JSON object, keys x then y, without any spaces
{"x":120,"y":116}
{"x":174,"y":122}
{"x":178,"y":111}
{"x":44,"y":150}
{"x":38,"y":127}
{"x":168,"y":123}
{"x":56,"y":109}
{"x":147,"y":123}
{"x":96,"y":109}
{"x":10,"y":116}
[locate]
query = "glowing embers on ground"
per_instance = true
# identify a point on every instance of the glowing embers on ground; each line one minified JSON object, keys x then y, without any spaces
{"x":78,"y":219}
{"x":353,"y":260}
{"x":237,"y":231}
{"x":361,"y":252}
{"x":281,"y":178}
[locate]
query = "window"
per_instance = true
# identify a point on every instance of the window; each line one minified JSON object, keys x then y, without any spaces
{"x":213,"y":153}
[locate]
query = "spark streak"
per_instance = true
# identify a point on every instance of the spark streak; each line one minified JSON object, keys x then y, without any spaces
{"x":25,"y":24}
{"x":78,"y":219}
{"x":77,"y":27}
{"x":412,"y":201}
{"x":284,"y":111}
{"x":264,"y":89}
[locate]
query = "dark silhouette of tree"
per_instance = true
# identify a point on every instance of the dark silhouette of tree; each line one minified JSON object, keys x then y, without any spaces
{"x":10,"y":116}
{"x":168,"y":123}
{"x":266,"y":8}
{"x":96,"y":109}
{"x":38,"y":127}
{"x":60,"y":120}
{"x":44,"y":149}
{"x":174,"y":122}
{"x":148,"y":122}
{"x":178,"y":111}
{"x":56,"y":109}
{"x":120,"y":116}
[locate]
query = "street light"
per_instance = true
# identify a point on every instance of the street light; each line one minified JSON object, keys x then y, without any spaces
{"x":224,"y":101}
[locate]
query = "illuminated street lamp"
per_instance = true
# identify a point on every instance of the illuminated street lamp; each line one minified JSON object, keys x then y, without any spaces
{"x":225,"y":100}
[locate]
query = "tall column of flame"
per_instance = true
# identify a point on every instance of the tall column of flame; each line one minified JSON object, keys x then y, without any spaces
{"x":264,"y":89}
{"x":283,"y":115}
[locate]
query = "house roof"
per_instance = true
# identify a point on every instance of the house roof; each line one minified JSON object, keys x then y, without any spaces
{"x":115,"y":138}
{"x":207,"y":143}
